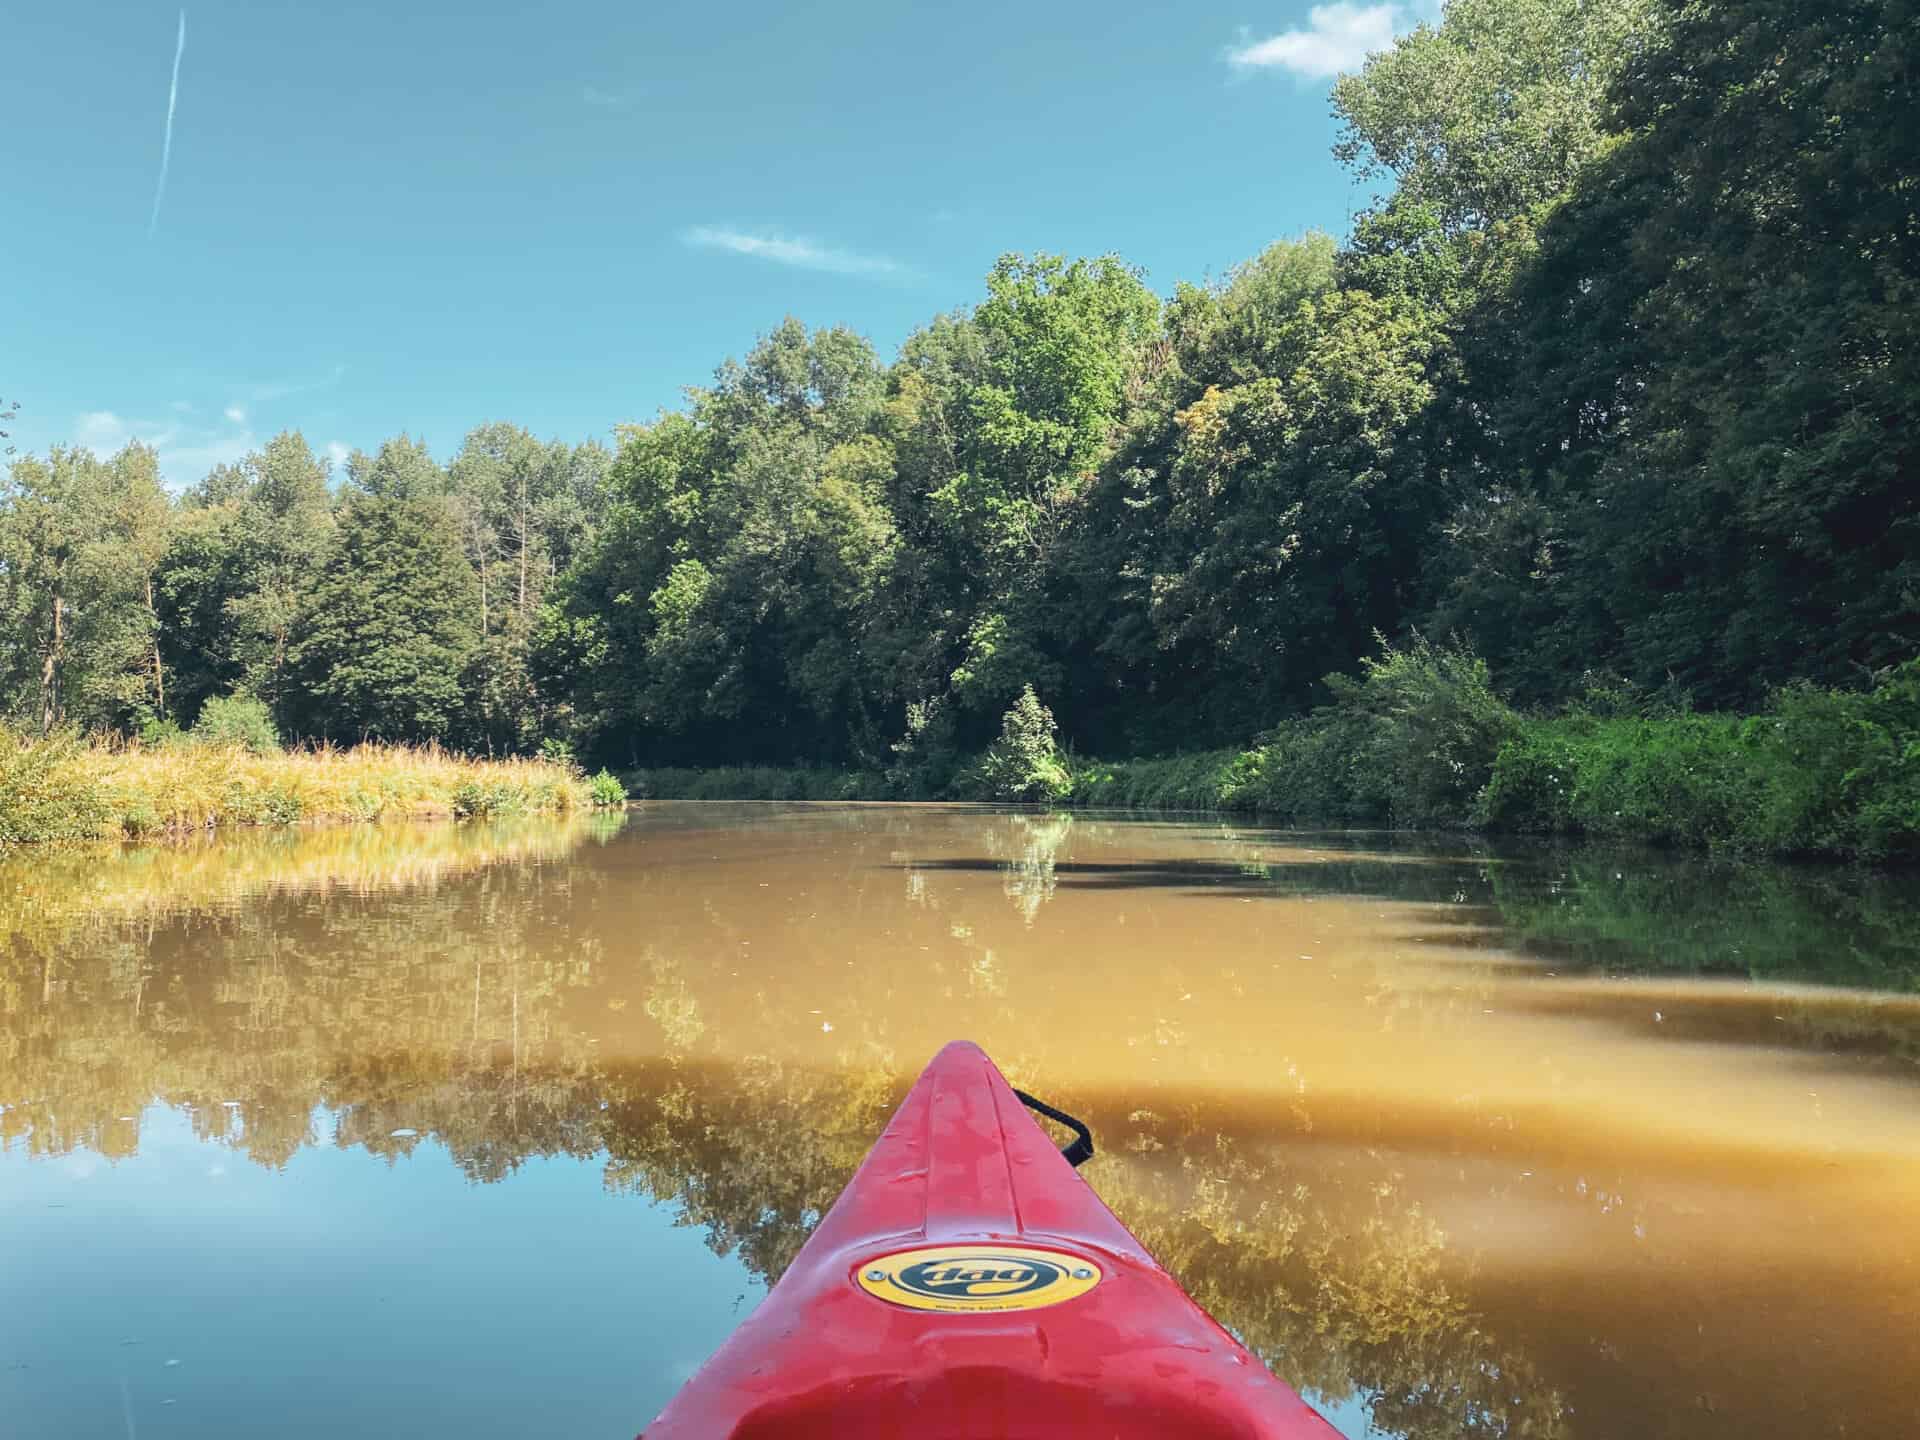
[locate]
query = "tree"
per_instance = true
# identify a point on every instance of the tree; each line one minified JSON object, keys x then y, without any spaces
{"x":1024,"y":763}
{"x":1493,"y":111}
{"x":1707,"y":474}
{"x":1292,"y":510}
{"x":388,"y":633}
{"x":79,"y":539}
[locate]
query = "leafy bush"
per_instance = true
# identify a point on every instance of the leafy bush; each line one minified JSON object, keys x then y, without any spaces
{"x":756,"y":782}
{"x":488,"y":799}
{"x":1419,"y":729}
{"x":157,"y":732}
{"x":48,"y":793}
{"x":605,"y":790}
{"x":238,"y":719}
{"x":1024,"y":763}
{"x":1420,"y":739}
{"x":925,"y":758}
{"x":1823,"y":771}
{"x":1209,"y":780}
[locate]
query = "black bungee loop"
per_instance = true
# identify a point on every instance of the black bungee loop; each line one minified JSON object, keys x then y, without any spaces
{"x":1081,"y":1150}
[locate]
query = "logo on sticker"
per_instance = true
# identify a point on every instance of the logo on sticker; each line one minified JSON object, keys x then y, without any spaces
{"x":958,"y":1279}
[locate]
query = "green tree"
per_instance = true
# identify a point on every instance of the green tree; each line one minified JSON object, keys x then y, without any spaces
{"x":79,"y":543}
{"x":1494,"y":110}
{"x":389,"y":632}
{"x":1706,"y":471}
{"x":1292,"y":512}
{"x":1024,"y":763}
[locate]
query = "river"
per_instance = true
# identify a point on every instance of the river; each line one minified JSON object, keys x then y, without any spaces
{"x":497,"y":1130}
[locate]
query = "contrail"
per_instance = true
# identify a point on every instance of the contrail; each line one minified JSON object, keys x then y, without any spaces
{"x":166,"y":148}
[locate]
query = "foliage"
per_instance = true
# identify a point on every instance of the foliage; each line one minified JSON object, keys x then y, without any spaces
{"x":60,"y":788}
{"x":1619,"y":378}
{"x":1025,"y":762}
{"x":755,"y":782}
{"x":605,"y":791}
{"x":47,"y":791}
{"x":1821,"y":771}
{"x":1495,"y":109}
{"x":241,"y":720}
{"x":391,"y":631}
{"x":1422,"y":740}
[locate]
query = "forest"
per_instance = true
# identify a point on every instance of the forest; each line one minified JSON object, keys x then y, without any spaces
{"x":1603,"y":415}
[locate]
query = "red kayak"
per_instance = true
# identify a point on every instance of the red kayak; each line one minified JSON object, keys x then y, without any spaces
{"x":968,"y":1283}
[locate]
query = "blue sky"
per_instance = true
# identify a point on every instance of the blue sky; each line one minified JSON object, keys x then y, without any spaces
{"x":421,"y":217}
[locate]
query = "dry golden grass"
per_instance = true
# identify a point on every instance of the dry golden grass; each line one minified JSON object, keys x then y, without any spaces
{"x":62,"y":789}
{"x":47,"y":896}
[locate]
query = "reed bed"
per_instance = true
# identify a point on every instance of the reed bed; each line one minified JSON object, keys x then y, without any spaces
{"x":63,"y":788}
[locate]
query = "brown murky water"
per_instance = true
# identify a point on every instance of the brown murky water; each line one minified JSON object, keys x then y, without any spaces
{"x":498,"y":1130}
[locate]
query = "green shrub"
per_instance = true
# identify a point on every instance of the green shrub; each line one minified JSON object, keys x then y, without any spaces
{"x":756,"y":782}
{"x":1823,"y":771}
{"x":605,"y":790}
{"x":1418,"y":732}
{"x":488,"y":799}
{"x":1210,"y":780}
{"x":158,"y":732}
{"x":139,"y":818}
{"x":925,"y":758}
{"x":46,"y":792}
{"x":238,"y":719}
{"x":1024,"y":763}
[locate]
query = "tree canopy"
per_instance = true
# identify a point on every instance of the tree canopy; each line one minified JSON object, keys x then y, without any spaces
{"x":1614,"y":381}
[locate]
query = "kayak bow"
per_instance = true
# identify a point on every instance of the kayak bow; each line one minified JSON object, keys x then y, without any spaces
{"x":968,"y":1283}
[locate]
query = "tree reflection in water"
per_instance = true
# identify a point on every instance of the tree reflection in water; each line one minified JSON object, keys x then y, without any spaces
{"x":734,"y":1052}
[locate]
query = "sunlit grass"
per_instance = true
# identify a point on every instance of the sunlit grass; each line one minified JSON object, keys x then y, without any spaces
{"x":48,"y":895}
{"x":66,"y":789}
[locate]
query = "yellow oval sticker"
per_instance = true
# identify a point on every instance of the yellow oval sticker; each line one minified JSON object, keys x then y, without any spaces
{"x":964,"y":1279}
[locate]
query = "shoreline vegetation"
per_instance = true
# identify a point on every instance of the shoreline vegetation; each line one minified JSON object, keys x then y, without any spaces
{"x":1573,"y":491}
{"x":67,"y":789}
{"x":1422,"y":742}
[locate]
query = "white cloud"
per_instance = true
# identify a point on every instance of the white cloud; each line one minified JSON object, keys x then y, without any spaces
{"x":101,"y":431}
{"x":791,"y":250}
{"x":281,"y":389}
{"x":338,"y":453}
{"x":1337,"y":38}
{"x":186,"y":451}
{"x":606,"y":99}
{"x":236,"y":413}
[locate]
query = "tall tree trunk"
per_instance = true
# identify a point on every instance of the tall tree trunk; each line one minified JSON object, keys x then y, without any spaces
{"x":524,"y":527}
{"x":159,"y":673}
{"x":50,"y":670}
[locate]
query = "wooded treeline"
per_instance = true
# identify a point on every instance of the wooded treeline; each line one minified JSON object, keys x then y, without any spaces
{"x":1617,"y":387}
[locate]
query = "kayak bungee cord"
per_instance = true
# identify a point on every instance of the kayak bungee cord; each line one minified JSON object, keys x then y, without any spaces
{"x":1076,"y":1154}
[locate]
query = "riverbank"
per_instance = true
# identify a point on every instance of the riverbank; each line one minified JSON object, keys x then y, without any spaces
{"x":1422,"y":741}
{"x":62,"y":789}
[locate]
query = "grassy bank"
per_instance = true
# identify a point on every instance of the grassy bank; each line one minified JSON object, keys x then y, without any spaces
{"x":757,"y":782}
{"x":1421,"y":741}
{"x":67,"y":789}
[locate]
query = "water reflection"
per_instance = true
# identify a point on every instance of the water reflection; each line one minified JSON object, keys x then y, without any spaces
{"x":1457,"y":1138}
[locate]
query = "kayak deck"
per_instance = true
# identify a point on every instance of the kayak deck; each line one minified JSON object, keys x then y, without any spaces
{"x":969,"y":1282}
